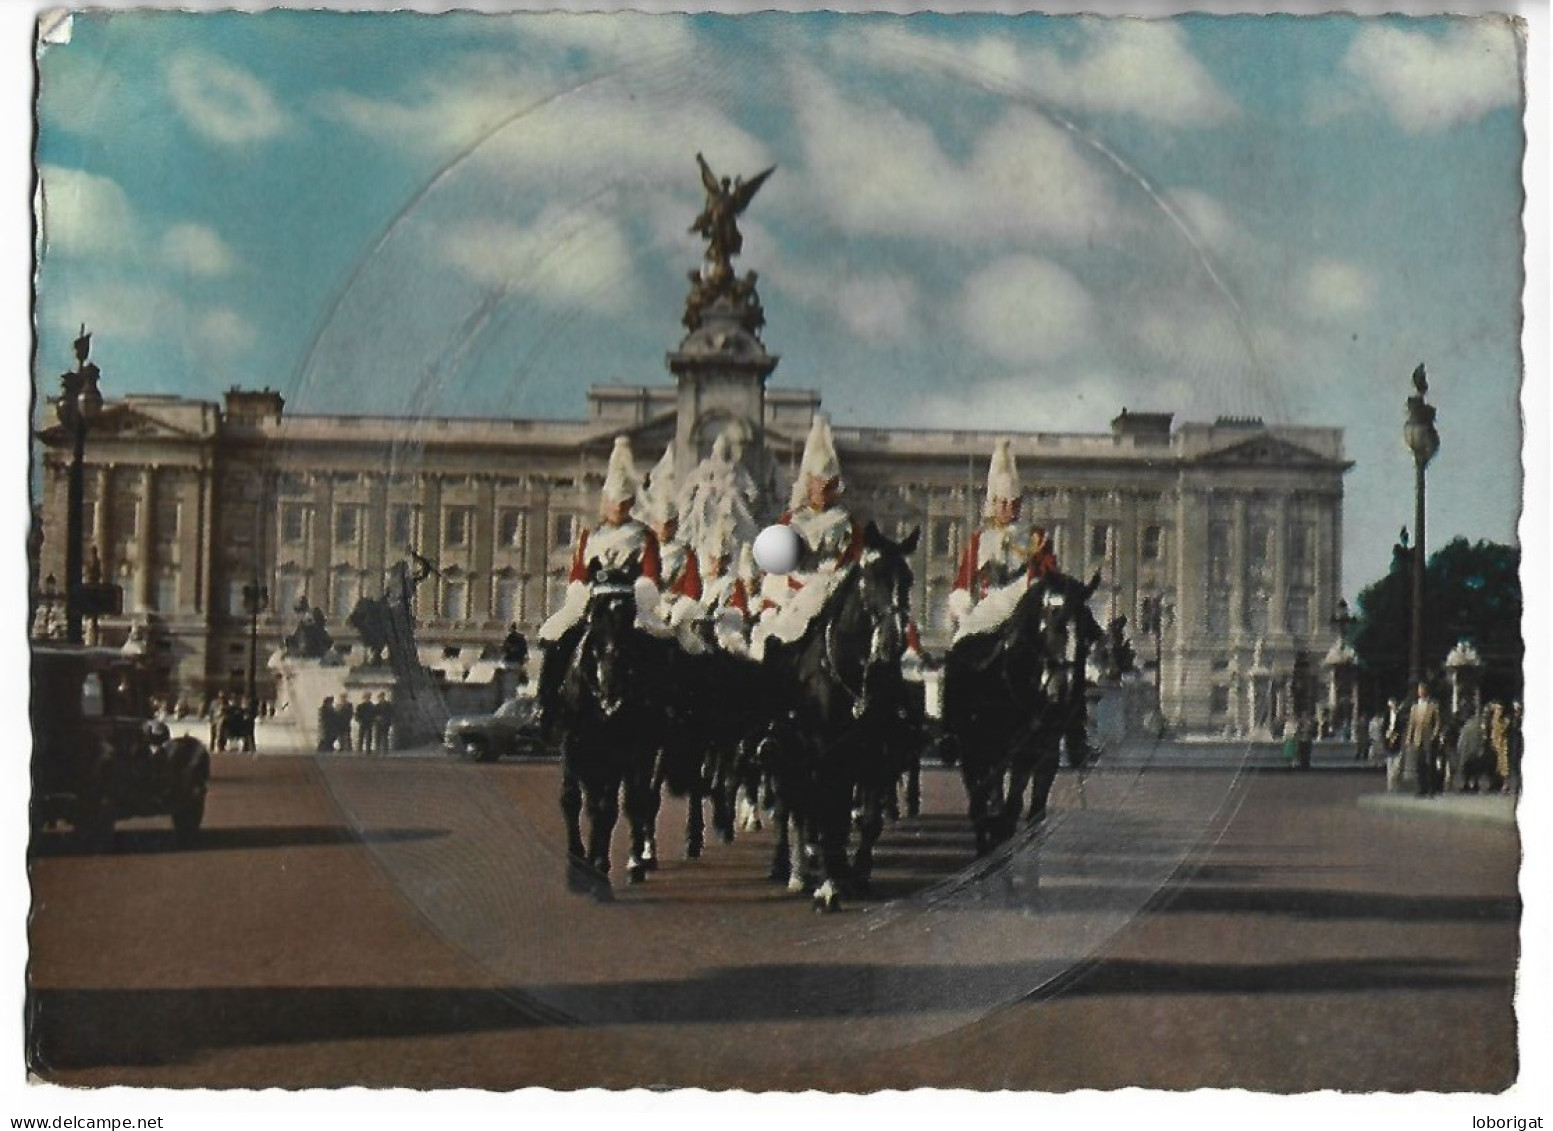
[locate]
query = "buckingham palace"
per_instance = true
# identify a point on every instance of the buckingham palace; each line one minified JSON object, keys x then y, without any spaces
{"x":1218,"y":541}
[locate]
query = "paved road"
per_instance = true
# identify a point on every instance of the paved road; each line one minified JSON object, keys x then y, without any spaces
{"x":408,"y":921}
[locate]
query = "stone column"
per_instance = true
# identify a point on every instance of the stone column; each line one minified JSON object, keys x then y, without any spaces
{"x":1278,"y":603}
{"x":145,"y":533}
{"x":1237,"y":571}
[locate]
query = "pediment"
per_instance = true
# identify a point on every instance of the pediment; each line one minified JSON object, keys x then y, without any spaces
{"x":125,"y":423}
{"x":1267,"y":450}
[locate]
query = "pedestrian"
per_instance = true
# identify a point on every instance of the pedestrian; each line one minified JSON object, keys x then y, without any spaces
{"x":1361,"y":748}
{"x":326,"y":725}
{"x":365,"y":724}
{"x":1517,"y":747}
{"x":1470,"y":748}
{"x":1499,"y":747}
{"x":344,"y":712}
{"x":383,"y":723}
{"x":1305,"y":731}
{"x":1421,"y":740}
{"x":218,"y":721}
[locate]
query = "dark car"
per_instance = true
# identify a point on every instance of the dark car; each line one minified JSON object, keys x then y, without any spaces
{"x":513,"y":729}
{"x":97,"y":757}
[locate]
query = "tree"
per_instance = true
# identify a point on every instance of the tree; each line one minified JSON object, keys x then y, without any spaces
{"x":1472,"y":592}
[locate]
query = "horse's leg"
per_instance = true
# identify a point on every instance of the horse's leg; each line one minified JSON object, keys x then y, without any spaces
{"x":1043,"y":775}
{"x":782,"y":855}
{"x":571,"y":810}
{"x":603,"y":814}
{"x":833,"y":827}
{"x":914,"y":782}
{"x":724,"y":794}
{"x":869,"y":830}
{"x":695,"y":819}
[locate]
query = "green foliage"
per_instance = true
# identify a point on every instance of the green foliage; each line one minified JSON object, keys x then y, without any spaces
{"x":1472,"y":591}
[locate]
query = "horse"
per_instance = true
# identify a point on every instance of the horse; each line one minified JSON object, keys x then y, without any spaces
{"x":606,"y":714}
{"x":1013,"y":696}
{"x":835,"y":699}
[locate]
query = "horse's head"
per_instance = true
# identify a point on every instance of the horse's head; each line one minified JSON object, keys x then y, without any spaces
{"x":1063,"y":630}
{"x":599,"y":668}
{"x":884,"y":592}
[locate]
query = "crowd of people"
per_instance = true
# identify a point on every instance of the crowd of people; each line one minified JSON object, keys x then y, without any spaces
{"x":1473,"y":751}
{"x":345,"y":726}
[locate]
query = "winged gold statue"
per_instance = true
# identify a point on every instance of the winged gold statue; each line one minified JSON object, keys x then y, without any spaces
{"x":718,"y":222}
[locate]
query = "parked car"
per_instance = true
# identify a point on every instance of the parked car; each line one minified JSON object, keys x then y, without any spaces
{"x":512,"y":729}
{"x":98,"y":757}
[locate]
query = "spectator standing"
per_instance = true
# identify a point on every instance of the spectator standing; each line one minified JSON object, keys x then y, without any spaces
{"x":1470,"y":749}
{"x":1377,"y":730}
{"x":1499,"y":746}
{"x":365,"y":724}
{"x":344,"y":713}
{"x":326,"y":724}
{"x":383,"y":723}
{"x":1421,"y":740}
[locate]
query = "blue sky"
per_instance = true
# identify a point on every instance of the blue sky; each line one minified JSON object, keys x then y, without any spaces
{"x":988,"y":221}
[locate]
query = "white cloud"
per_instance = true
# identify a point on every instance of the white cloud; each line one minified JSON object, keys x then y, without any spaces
{"x":85,"y":215}
{"x":877,"y":171}
{"x":1432,"y":82}
{"x":197,"y":250}
{"x":1331,"y":289}
{"x":1136,"y":67}
{"x":1041,"y":401}
{"x":222,"y":102}
{"x":565,"y":258}
{"x":1023,"y":309}
{"x":630,"y":36}
{"x":878,"y":308}
{"x":223,"y":332}
{"x":117,"y":311}
{"x":1208,"y":221}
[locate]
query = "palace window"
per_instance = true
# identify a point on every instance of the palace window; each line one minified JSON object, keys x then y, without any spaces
{"x":293,"y":522}
{"x":564,"y":531}
{"x":1302,"y":554}
{"x":344,"y":591}
{"x":401,"y":526}
{"x":509,"y":600}
{"x":512,"y":530}
{"x":1153,"y":543}
{"x":347,"y":525}
{"x":1218,"y":700}
{"x":164,"y":593}
{"x":289,"y":593}
{"x":1100,"y":540}
{"x":1299,"y":614}
{"x":456,"y":522}
{"x":946,"y":537}
{"x":1218,"y":553}
{"x":455,"y":599}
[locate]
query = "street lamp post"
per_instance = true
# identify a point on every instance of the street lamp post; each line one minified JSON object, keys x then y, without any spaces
{"x":1423,"y":441}
{"x":79,"y":403}
{"x":256,"y":598}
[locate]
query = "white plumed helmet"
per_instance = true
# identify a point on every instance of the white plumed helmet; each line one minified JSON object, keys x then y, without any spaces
{"x":659,"y":501}
{"x":620,"y":480}
{"x":819,"y":458}
{"x":1003,"y":476}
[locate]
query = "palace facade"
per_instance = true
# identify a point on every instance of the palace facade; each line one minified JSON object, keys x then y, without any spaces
{"x":1232,"y":527}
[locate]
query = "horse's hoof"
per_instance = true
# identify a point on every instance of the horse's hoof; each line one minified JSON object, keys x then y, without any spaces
{"x":692,"y":852}
{"x":827,"y":898}
{"x":585,"y":879}
{"x":794,"y":885}
{"x":636,"y":874}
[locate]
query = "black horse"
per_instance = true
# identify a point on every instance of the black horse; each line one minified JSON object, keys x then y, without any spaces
{"x":606,"y":714}
{"x":836,"y":695}
{"x":1014,"y":697}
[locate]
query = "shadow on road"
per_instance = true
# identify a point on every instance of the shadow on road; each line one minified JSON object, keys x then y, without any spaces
{"x":150,"y":841}
{"x":79,"y":1029}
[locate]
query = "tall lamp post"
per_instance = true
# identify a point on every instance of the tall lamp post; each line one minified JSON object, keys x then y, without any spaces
{"x":1423,"y":441}
{"x":1346,"y":663}
{"x":256,"y":598}
{"x":79,"y":403}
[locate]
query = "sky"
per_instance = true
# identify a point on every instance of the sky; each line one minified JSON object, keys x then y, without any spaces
{"x":984,"y":221}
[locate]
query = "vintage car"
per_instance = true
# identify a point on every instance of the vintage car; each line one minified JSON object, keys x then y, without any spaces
{"x":511,"y":730}
{"x":97,"y":757}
